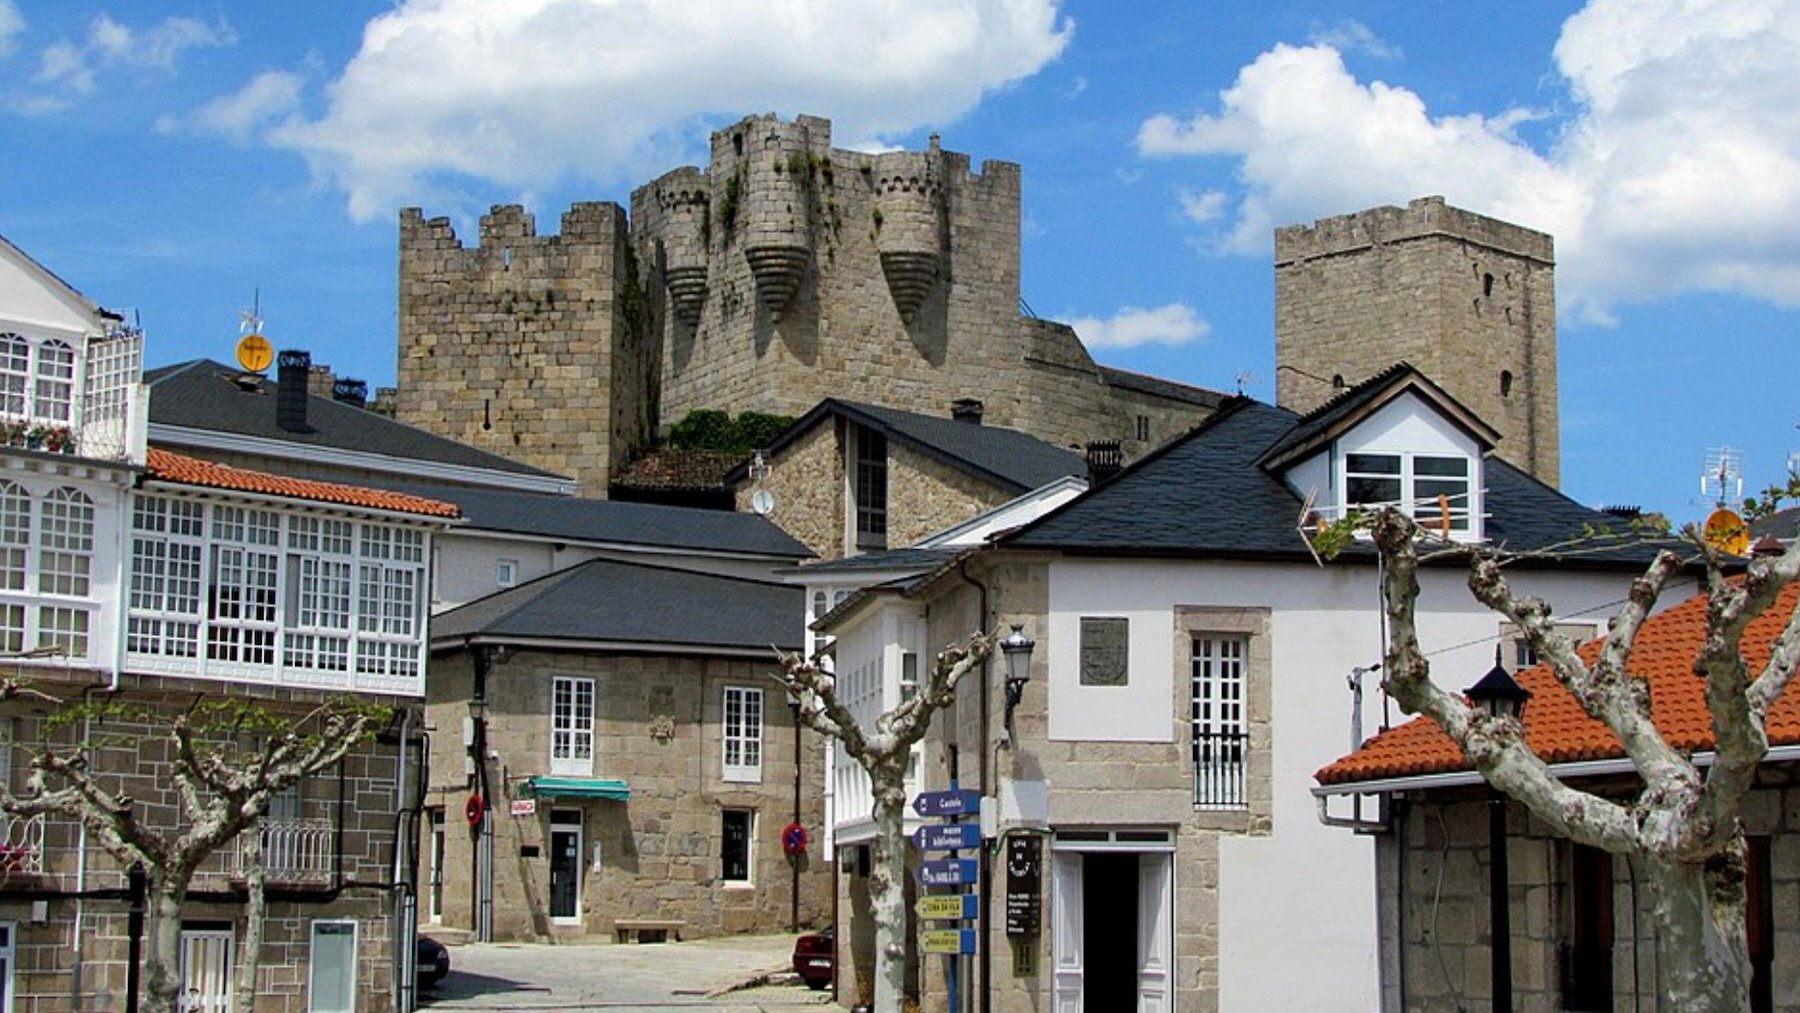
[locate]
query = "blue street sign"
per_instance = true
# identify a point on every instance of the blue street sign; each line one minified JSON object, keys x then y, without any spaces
{"x":947,"y":872}
{"x":947,"y":803}
{"x":947,"y":836}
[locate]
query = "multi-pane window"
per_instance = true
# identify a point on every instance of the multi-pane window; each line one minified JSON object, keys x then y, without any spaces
{"x":1434,"y":490}
{"x":261,"y":589}
{"x":46,"y":563}
{"x":242,"y":622}
{"x":743,"y":733}
{"x":871,"y":489}
{"x":572,"y":726}
{"x":66,"y":542}
{"x":15,"y":375}
{"x":736,"y":852}
{"x":55,"y":381}
{"x":1217,"y":719}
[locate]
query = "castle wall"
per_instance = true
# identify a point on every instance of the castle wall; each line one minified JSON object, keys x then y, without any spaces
{"x":1468,"y":299}
{"x":525,"y":345}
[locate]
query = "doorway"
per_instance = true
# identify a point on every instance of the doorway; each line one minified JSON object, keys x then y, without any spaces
{"x":206,"y":968}
{"x":565,"y":866}
{"x":1112,"y":922}
{"x":1109,"y":887}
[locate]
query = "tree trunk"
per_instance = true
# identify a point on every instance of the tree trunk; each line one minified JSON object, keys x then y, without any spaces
{"x":887,"y":884}
{"x":162,"y":950}
{"x":1701,"y":939}
{"x":250,"y":957}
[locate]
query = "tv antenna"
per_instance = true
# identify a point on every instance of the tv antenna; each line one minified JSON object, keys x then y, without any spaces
{"x":1245,"y":378}
{"x":1722,"y":477}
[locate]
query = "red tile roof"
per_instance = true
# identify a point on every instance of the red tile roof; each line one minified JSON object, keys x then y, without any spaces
{"x":1561,"y":732}
{"x":172,"y":467}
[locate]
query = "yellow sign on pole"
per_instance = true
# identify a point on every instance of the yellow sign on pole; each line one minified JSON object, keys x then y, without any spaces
{"x":947,"y":941}
{"x":254,"y":352}
{"x":946,"y":905}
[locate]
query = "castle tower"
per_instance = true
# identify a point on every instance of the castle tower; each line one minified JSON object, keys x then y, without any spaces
{"x":1468,"y":299}
{"x":527,"y":346}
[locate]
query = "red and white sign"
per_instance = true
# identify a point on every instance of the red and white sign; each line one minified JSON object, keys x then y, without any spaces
{"x":524,"y":807}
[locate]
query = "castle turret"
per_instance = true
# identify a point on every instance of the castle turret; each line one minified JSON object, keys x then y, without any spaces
{"x":685,"y":199}
{"x":909,"y":224}
{"x":775,"y":173}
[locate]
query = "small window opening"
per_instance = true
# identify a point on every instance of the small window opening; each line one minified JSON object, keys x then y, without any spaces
{"x":1337,"y":381}
{"x":1487,"y":284}
{"x":1506,"y":383}
{"x":737,"y":143}
{"x":506,"y":257}
{"x":1143,"y":427}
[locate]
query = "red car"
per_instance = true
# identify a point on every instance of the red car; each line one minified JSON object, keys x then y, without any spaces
{"x":815,"y":958}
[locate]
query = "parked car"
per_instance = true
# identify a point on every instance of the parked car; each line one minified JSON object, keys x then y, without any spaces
{"x":815,"y":958}
{"x":433,"y":961}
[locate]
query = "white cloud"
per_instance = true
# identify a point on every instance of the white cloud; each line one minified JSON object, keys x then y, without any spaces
{"x":70,"y":70}
{"x":242,"y":116}
{"x":11,"y":24}
{"x":1173,"y":324}
{"x":1202,"y":206}
{"x":524,"y":93}
{"x":1677,"y":168}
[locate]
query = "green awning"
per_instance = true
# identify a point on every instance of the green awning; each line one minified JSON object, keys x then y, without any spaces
{"x":577,"y":787}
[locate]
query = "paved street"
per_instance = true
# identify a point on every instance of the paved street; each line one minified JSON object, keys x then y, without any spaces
{"x":698,"y":975}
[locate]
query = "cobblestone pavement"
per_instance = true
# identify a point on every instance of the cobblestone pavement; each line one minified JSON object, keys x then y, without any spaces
{"x":707,"y":974}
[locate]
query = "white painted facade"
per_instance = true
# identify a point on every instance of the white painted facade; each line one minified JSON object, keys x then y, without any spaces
{"x":1303,"y":888}
{"x":469,"y":563}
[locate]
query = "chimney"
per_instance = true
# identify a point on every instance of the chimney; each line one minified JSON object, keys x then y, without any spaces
{"x":292,"y":371}
{"x":350,"y":391}
{"x":1105,"y":459}
{"x":319,"y":380}
{"x":966,"y":409}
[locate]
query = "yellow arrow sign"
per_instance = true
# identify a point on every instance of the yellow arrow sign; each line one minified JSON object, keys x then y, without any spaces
{"x":947,"y":941}
{"x":946,"y":905}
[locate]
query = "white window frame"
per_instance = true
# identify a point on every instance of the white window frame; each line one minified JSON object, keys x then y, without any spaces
{"x":1418,"y":493}
{"x":50,"y":578}
{"x":1218,"y":720}
{"x":312,"y":967}
{"x":9,"y":959}
{"x":310,"y":598}
{"x":506,"y":573}
{"x":741,"y":733}
{"x":571,"y":739}
{"x":749,"y":879}
{"x":434,"y":870}
{"x":561,"y":823}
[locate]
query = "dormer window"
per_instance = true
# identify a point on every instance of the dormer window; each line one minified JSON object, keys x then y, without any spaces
{"x":1433,"y":489}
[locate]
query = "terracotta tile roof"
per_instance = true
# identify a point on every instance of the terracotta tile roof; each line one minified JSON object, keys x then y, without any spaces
{"x":1561,"y":732}
{"x":168,"y":466}
{"x":672,"y":468}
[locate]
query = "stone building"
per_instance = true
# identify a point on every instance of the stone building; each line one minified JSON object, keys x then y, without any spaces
{"x":1188,"y":676}
{"x":1468,"y":299}
{"x":785,"y":272}
{"x":636,"y":754}
{"x":1581,"y":926}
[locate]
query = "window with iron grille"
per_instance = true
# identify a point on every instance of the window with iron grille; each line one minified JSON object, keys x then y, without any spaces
{"x":736,"y":846}
{"x":871,"y":489}
{"x":1217,"y":719}
{"x":572,"y":727}
{"x":743,"y":733}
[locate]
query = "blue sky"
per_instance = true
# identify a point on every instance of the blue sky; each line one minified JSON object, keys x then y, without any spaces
{"x":174,"y":159}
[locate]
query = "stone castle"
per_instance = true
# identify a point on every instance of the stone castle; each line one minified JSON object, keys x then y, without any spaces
{"x":788,"y":271}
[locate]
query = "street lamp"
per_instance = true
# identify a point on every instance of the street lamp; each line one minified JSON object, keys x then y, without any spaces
{"x":1499,"y":694}
{"x":1017,"y":648}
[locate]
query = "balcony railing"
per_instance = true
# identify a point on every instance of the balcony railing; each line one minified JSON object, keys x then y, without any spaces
{"x":22,"y":849}
{"x":1219,"y":770}
{"x":295,"y":852}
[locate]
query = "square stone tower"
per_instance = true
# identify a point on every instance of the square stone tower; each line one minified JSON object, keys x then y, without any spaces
{"x":528,"y":346}
{"x":1468,"y":299}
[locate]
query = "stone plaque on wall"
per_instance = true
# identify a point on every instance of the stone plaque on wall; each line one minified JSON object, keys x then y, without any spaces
{"x":1104,"y":649}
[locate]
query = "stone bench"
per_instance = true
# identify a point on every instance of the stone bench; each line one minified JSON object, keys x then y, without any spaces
{"x":647,"y":930}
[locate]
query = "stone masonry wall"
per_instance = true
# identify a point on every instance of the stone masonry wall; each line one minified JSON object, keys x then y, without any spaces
{"x":926,"y":496}
{"x":75,"y":959}
{"x":1468,"y":299}
{"x":1437,"y":950}
{"x":808,"y":483}
{"x":658,"y":728}
{"x":527,"y":346}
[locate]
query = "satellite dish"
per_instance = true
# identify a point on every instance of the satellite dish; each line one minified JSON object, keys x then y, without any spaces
{"x":1726,"y":531}
{"x":763,"y":502}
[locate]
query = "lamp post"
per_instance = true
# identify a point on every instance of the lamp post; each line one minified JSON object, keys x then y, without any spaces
{"x":1501,"y":696}
{"x":1017,"y":649}
{"x":793,"y":703}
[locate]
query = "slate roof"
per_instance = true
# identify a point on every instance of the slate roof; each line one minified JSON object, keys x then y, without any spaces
{"x":168,"y":466}
{"x":1204,"y":494}
{"x":1319,"y":424}
{"x":202,"y":394}
{"x":1783,"y":524}
{"x":604,"y":600}
{"x":1012,"y":460}
{"x":572,"y":519}
{"x":1558,"y":730}
{"x":892,"y":559}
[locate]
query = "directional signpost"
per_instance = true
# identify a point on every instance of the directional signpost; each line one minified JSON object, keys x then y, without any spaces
{"x":959,"y":908}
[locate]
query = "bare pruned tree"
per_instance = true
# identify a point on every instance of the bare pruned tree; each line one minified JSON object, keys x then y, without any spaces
{"x":883,"y":751}
{"x":227,"y":758}
{"x":1682,"y":826}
